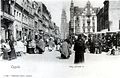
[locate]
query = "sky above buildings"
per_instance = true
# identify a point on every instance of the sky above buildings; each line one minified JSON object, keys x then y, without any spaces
{"x":55,"y":7}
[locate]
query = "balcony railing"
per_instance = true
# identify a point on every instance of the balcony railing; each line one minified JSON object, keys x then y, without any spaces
{"x":6,"y":15}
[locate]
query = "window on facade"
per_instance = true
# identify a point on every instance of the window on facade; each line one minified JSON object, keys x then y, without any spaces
{"x":22,"y":16}
{"x":27,"y":7}
{"x":119,"y":24}
{"x":17,"y":13}
{"x":2,"y":5}
{"x":93,"y":18}
{"x":93,"y":29}
{"x":14,"y":12}
{"x":83,"y":20}
{"x":93,"y":23}
{"x":83,"y":24}
{"x":84,"y":30}
{"x":6,"y":7}
{"x":25,"y":18}
{"x":83,"y":17}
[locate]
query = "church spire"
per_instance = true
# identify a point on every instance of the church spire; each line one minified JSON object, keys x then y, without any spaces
{"x":72,"y":3}
{"x":88,"y":3}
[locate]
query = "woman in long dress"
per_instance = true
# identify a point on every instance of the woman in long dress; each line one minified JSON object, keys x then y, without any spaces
{"x":79,"y":49}
{"x":5,"y":49}
{"x":65,"y":50}
{"x":12,"y":53}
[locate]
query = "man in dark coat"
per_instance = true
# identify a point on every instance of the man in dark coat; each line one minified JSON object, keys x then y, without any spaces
{"x":92,"y":45}
{"x":79,"y":49}
{"x":108,"y":42}
{"x":114,"y":40}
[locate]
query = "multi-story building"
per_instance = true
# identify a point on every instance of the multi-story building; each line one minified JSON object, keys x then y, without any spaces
{"x":108,"y":16}
{"x":27,"y":19}
{"x":83,"y":20}
{"x":64,"y":25}
{"x":100,"y":20}
{"x":19,"y":18}
{"x":37,"y":8}
{"x":54,"y":30}
{"x":7,"y":18}
{"x":51,"y":28}
{"x":46,"y":16}
{"x":42,"y":19}
{"x":24,"y":19}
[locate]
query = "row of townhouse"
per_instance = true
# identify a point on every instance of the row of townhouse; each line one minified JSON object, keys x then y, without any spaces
{"x":25,"y":19}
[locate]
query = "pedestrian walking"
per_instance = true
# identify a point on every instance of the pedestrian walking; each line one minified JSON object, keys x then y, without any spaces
{"x":19,"y":47}
{"x":79,"y":48}
{"x":40,"y":45}
{"x":33,"y":42}
{"x":5,"y":49}
{"x":65,"y":50}
{"x":92,"y":45}
{"x":97,"y":44}
{"x":51,"y":44}
{"x":114,"y":40}
{"x":31,"y":46}
{"x":108,"y":42}
{"x":56,"y":44}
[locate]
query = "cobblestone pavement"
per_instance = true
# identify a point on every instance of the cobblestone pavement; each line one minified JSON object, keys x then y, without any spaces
{"x":48,"y":65}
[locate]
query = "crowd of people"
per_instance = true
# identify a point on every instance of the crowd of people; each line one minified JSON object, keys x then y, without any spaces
{"x":8,"y":49}
{"x":12,"y":48}
{"x":103,"y":43}
{"x":92,"y":43}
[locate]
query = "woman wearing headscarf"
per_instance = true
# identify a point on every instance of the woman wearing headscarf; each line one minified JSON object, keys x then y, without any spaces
{"x":65,"y":49}
{"x":79,"y":48}
{"x":5,"y":49}
{"x":40,"y":45}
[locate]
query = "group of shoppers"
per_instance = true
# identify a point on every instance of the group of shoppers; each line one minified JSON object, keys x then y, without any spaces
{"x":98,"y":43}
{"x":8,"y":49}
{"x":65,"y":49}
{"x":94,"y":43}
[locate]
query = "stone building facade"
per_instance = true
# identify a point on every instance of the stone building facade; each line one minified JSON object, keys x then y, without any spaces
{"x":24,"y":19}
{"x":83,"y":20}
{"x":109,"y":16}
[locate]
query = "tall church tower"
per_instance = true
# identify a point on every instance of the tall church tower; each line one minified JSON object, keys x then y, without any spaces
{"x":64,"y":25}
{"x":71,"y":25}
